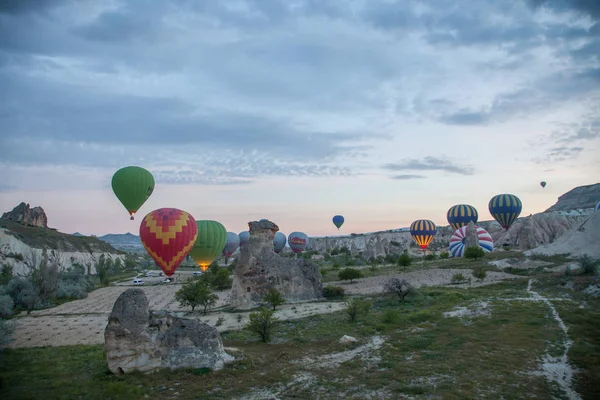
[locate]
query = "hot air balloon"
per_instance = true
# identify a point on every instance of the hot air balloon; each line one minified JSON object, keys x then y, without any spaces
{"x":423,"y":231}
{"x":231,"y":244}
{"x":461,"y":214}
{"x":212,"y":237}
{"x":597,"y":206}
{"x":244,"y":237}
{"x":338,"y":221}
{"x":132,"y":186}
{"x":298,"y":241}
{"x":543,"y":184}
{"x":505,"y":208}
{"x":459,"y":238}
{"x":279,"y":241}
{"x":168,"y":235}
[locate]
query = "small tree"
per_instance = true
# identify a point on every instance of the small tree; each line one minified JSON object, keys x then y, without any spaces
{"x":373,"y":268}
{"x":404,"y":260}
{"x":479,"y":274}
{"x":399,"y":287}
{"x":349,"y":274}
{"x":474,"y":252}
{"x":221,"y":280}
{"x":262,"y":323}
{"x":6,"y":274}
{"x":196,"y":293}
{"x":274,"y":298}
{"x":23,"y":293}
{"x":354,"y":307}
{"x":444,"y":255}
{"x":6,"y":330}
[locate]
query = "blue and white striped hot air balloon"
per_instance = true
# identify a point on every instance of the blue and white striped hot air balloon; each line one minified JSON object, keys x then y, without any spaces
{"x":505,"y":208}
{"x":598,"y":206}
{"x":461,"y":214}
{"x":459,"y":238}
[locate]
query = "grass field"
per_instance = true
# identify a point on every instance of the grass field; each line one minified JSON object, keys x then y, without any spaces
{"x":494,"y":348}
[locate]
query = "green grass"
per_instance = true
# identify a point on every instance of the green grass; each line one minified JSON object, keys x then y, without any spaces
{"x":424,"y":353}
{"x":39,"y":237}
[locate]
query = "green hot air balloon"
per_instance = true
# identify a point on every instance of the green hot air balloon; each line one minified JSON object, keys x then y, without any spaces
{"x":132,"y":186}
{"x":211,"y":240}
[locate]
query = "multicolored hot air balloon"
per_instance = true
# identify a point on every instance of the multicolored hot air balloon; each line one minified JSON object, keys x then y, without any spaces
{"x":244,"y":237}
{"x":211,"y":239}
{"x":461,"y":214}
{"x":338,"y":221}
{"x":231,"y":244}
{"x":279,"y":241}
{"x":459,"y":238}
{"x":543,"y":184}
{"x":298,"y":241}
{"x":132,"y":186}
{"x":168,"y":235}
{"x":505,"y":208}
{"x":423,"y":231}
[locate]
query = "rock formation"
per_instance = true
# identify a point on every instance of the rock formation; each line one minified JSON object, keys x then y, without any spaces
{"x":471,"y":239}
{"x":259,"y":268}
{"x":137,"y":339}
{"x":581,"y":197}
{"x":27,"y":216}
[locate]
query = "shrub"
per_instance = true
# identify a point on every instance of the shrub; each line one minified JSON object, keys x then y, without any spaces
{"x":349,"y":274}
{"x":23,"y":293}
{"x":6,"y":274}
{"x":474,"y":252}
{"x":220,"y":280}
{"x":274,"y":298}
{"x":262,"y":323}
{"x":6,"y":306}
{"x":479,"y":274}
{"x":588,"y":265}
{"x":430,"y":257}
{"x":6,"y":330}
{"x":196,"y":293}
{"x":390,"y":316}
{"x":459,"y":278}
{"x":404,"y":260}
{"x":70,"y":290}
{"x":336,"y":265}
{"x":400,"y":288}
{"x":444,"y":255}
{"x":354,"y":307}
{"x":331,"y":292}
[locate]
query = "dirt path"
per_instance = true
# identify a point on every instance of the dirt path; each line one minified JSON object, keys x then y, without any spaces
{"x":83,"y":321}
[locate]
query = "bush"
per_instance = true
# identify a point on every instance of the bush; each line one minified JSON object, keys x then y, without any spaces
{"x":6,"y":330}
{"x":23,"y":293}
{"x":354,"y":307}
{"x":430,"y":257}
{"x":221,"y":279}
{"x":588,"y":265}
{"x":404,"y":260}
{"x":6,"y":306}
{"x":459,"y":278}
{"x":400,"y":288}
{"x":474,"y":252}
{"x":479,"y":274}
{"x":332,"y":292}
{"x":390,"y":316}
{"x":6,"y":274}
{"x":349,"y":274}
{"x":70,"y":290}
{"x":444,"y":255}
{"x":262,"y":323}
{"x":196,"y":293}
{"x":274,"y":298}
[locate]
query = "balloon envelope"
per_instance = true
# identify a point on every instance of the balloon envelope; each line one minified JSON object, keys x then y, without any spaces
{"x":231,"y":244}
{"x":543,"y":184}
{"x":244,"y":237}
{"x":279,"y":241}
{"x":132,"y":186}
{"x":423,"y":231}
{"x":598,"y":206}
{"x":168,"y":235}
{"x":461,"y":214}
{"x":459,"y":238}
{"x":298,"y":241}
{"x":505,"y":208}
{"x":338,"y":221}
{"x":211,"y":239}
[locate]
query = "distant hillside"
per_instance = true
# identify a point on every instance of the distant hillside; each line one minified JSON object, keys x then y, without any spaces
{"x":582,"y":197}
{"x":124,"y":241}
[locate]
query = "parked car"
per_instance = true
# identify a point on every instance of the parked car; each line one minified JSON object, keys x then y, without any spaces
{"x":168,"y":280}
{"x":150,"y":273}
{"x":138,"y":281}
{"x":197,"y":273}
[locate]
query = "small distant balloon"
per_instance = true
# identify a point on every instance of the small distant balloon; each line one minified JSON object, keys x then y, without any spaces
{"x":505,"y":208}
{"x":543,"y":184}
{"x":279,"y":241}
{"x":231,"y":245}
{"x":298,"y":241}
{"x":423,"y":231}
{"x":338,"y":221}
{"x":244,"y":237}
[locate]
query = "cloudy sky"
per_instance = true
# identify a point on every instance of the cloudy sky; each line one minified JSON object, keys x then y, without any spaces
{"x":296,"y":110}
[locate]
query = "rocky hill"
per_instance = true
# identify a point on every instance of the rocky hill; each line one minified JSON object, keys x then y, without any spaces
{"x":582,"y":197}
{"x":127,"y":242}
{"x":24,"y":233}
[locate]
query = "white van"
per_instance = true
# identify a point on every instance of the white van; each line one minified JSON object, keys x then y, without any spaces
{"x":138,"y":281}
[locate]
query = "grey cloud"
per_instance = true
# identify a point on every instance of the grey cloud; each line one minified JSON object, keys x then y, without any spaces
{"x":465,"y":117}
{"x":430,"y":164}
{"x":7,"y":188}
{"x":561,"y":153}
{"x":408,"y":176}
